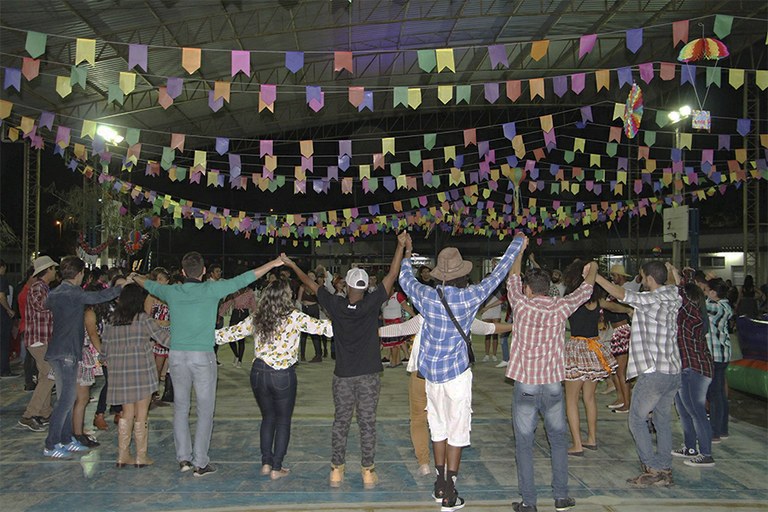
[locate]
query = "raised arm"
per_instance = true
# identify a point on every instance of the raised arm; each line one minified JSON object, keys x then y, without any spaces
{"x":394,"y":267}
{"x":590,"y":272}
{"x":615,"y":307}
{"x":304,"y":278}
{"x":611,"y":288}
{"x":517,"y":265}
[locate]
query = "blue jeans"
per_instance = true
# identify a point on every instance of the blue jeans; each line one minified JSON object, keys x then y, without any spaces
{"x":718,"y":401}
{"x":654,"y":392}
{"x":505,"y":348}
{"x":528,"y":401}
{"x":691,"y":406}
{"x":275,"y":392}
{"x":60,"y":429}
{"x":190,"y":369}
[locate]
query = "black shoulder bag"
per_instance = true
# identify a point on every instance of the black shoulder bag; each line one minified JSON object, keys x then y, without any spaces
{"x":464,"y":335}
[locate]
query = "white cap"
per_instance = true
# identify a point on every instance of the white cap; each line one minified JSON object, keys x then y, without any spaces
{"x":357,"y":278}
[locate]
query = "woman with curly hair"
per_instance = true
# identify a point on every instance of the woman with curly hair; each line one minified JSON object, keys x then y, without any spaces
{"x":276,"y":326}
{"x":587,"y":362}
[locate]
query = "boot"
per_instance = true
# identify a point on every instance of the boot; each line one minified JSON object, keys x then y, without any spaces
{"x":370,"y":478}
{"x":124,"y":428}
{"x":99,"y":422}
{"x":337,"y":475}
{"x":141,"y":435}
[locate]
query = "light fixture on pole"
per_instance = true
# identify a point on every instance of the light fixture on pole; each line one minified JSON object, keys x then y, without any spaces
{"x":680,"y":114}
{"x":109,"y":134}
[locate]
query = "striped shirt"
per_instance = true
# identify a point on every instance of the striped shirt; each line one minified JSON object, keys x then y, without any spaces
{"x":443,"y":355}
{"x":537,"y":344}
{"x":653,"y":345}
{"x":718,"y":338}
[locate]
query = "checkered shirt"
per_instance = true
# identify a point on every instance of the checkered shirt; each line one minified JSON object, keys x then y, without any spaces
{"x":443,"y":355}
{"x":653,"y":340}
{"x":694,"y":353}
{"x":38,"y":319}
{"x":537,"y":343}
{"x":718,"y":338}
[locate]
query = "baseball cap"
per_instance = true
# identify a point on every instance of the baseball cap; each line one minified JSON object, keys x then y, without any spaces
{"x":357,"y":278}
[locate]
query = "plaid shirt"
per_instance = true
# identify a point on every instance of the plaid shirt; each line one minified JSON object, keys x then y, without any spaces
{"x":691,"y":342}
{"x":718,"y":338}
{"x":443,"y":355}
{"x":537,"y":344}
{"x":38,"y":319}
{"x":653,"y":341}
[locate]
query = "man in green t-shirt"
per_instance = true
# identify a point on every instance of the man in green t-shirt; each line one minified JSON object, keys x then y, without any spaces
{"x":193,"y":306}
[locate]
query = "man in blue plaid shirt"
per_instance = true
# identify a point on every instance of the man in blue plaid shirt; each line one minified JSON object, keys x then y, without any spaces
{"x":443,"y":358}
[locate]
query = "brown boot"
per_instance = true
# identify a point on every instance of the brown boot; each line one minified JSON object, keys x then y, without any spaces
{"x":141,"y":435}
{"x":124,"y":428}
{"x":99,"y":422}
{"x":337,"y":475}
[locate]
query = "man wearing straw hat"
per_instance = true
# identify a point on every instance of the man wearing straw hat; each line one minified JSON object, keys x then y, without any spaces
{"x":443,"y":359}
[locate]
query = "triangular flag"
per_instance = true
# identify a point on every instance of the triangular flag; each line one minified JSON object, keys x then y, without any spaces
{"x":679,"y":32}
{"x":445,"y":93}
{"x":137,"y":56}
{"x":35,"y":44}
{"x":537,"y":87}
{"x":603,"y":79}
{"x":539,"y":49}
{"x":221,"y":90}
{"x":427,"y":60}
{"x":127,"y":82}
{"x":723,"y":25}
{"x":586,"y":43}
{"x":514,"y":89}
{"x":343,"y":60}
{"x":414,"y":97}
{"x":30,"y":68}
{"x":445,"y":59}
{"x":190,"y":59}
{"x":241,"y":62}
{"x":63,"y":86}
{"x":85,"y":49}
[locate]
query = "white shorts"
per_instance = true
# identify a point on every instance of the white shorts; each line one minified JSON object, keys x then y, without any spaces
{"x":449,"y":410}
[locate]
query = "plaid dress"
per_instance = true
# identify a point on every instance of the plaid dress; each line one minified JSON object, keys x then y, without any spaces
{"x":128,"y":351}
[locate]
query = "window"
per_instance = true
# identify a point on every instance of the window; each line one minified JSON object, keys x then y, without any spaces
{"x":713,"y":262}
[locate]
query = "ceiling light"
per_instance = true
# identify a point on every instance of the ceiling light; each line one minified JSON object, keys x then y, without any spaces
{"x":685,"y":111}
{"x":674,"y":116}
{"x":109,"y":134}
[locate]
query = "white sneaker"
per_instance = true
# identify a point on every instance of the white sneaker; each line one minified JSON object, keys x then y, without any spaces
{"x":502,"y":364}
{"x":494,"y":359}
{"x":486,"y":358}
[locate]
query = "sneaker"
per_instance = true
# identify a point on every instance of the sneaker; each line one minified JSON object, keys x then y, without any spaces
{"x":87,"y":441}
{"x":522,"y":507}
{"x":702,"y":461}
{"x":59,"y":451}
{"x":337,"y":475}
{"x":502,"y":364}
{"x":185,"y":466}
{"x":280,"y":473}
{"x":684,"y":452}
{"x":370,"y":478}
{"x":486,"y":358}
{"x":562,"y":504}
{"x":75,"y":446}
{"x":723,"y":437}
{"x":451,"y":504}
{"x":266,"y":469}
{"x":43,"y":421}
{"x":716,"y":440}
{"x":239,"y":364}
{"x":425,"y":470}
{"x":494,"y":358}
{"x":438,"y":493}
{"x":210,"y":468}
{"x":652,"y":478}
{"x":32,"y":424}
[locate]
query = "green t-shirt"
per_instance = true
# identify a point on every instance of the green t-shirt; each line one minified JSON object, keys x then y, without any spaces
{"x":193,"y":307}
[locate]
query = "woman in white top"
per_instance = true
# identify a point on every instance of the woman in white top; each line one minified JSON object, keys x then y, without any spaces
{"x":276,"y":327}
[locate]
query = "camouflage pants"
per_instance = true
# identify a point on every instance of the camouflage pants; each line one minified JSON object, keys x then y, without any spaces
{"x":358,"y":395}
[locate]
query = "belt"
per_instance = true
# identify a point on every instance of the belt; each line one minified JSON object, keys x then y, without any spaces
{"x":594,"y":345}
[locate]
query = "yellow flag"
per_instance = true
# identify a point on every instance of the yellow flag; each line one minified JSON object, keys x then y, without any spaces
{"x":594,"y":160}
{"x":445,"y":59}
{"x":5,"y":109}
{"x":221,"y":90}
{"x":761,"y":78}
{"x":85,"y":49}
{"x":414,"y":97}
{"x":741,"y":155}
{"x":201,"y":160}
{"x":307,"y":148}
{"x":445,"y":93}
{"x":89,"y":129}
{"x":537,"y":87}
{"x":27,"y":123}
{"x":270,"y":162}
{"x":63,"y":86}
{"x":190,"y":59}
{"x":618,"y":110}
{"x":736,"y":78}
{"x":603,"y":79}
{"x":13,"y":134}
{"x":539,"y":49}
{"x":449,"y":152}
{"x":578,"y":144}
{"x":388,"y":145}
{"x":546,"y":123}
{"x":365,"y":171}
{"x":127,"y":82}
{"x":686,"y":140}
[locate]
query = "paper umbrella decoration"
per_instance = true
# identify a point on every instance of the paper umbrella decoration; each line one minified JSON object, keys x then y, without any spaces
{"x":633,"y":111}
{"x":703,"y":48}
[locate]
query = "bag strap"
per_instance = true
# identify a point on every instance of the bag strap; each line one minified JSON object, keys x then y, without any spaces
{"x":453,"y":318}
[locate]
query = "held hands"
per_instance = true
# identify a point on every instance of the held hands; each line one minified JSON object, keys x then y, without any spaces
{"x":588,"y":268}
{"x":524,"y":238}
{"x":283,"y":259}
{"x":404,"y":240}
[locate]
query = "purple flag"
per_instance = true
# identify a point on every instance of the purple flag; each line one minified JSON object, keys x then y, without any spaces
{"x":314,"y":92}
{"x":724,"y":142}
{"x":215,"y":105}
{"x":222,"y":145}
{"x":586,"y":43}
{"x":137,"y":56}
{"x":343,"y":162}
{"x":317,"y":104}
{"x":234,"y":164}
{"x":491,"y":92}
{"x":498,"y":55}
{"x":550,"y":139}
{"x":577,"y":82}
{"x":510,"y":130}
{"x":345,"y":147}
{"x":173,"y":86}
{"x":676,"y":154}
{"x":622,"y":164}
{"x":634,"y":39}
{"x":646,"y":72}
{"x":268,"y":93}
{"x":586,"y":114}
{"x":333,"y":172}
{"x":367,"y":101}
{"x":12,"y":78}
{"x":688,"y":74}
{"x":294,"y":61}
{"x":265,"y":148}
{"x":625,"y":76}
{"x":743,"y":126}
{"x":62,"y":135}
{"x":560,"y":85}
{"x":241,"y":61}
{"x":483,"y":147}
{"x":389,"y":183}
{"x":46,"y":119}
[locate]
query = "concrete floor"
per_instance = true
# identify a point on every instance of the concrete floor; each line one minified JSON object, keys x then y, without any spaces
{"x":487,"y":480}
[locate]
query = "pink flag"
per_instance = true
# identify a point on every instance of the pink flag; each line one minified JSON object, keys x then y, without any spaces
{"x":241,"y":61}
{"x":586,"y":43}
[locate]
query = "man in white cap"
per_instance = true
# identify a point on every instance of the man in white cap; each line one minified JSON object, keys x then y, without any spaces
{"x":357,"y":375}
{"x":444,"y":360}
{"x":38,"y":329}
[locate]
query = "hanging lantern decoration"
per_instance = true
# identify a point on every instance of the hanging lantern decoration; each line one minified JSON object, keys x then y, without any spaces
{"x":633,"y":111}
{"x":88,"y":249}
{"x":707,"y":48}
{"x":516,"y":177}
{"x":134,"y":241}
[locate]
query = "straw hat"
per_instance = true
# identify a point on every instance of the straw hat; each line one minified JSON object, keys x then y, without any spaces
{"x":450,"y":265}
{"x":43,"y":263}
{"x":619,"y":269}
